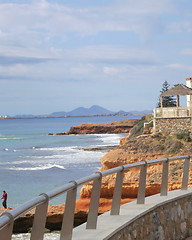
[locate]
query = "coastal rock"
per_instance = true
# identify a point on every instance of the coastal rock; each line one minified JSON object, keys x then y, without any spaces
{"x":123,"y":126}
{"x":55,"y":215}
{"x":141,"y":148}
{"x":131,"y":150}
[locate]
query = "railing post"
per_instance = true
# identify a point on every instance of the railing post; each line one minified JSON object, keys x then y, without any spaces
{"x":94,"y":203}
{"x":142,"y":184}
{"x":117,"y":193}
{"x":39,"y":221}
{"x":185,"y":174}
{"x":164,"y":181}
{"x":68,"y":217}
{"x":6,"y":232}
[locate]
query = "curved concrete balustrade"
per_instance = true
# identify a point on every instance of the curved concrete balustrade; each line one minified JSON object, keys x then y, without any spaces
{"x":109,"y":224}
{"x":161,"y":217}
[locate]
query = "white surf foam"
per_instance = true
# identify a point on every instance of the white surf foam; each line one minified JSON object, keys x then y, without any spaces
{"x":110,"y":139}
{"x":26,"y":236}
{"x":71,"y":148}
{"x":45,"y":158}
{"x":78,"y":156}
{"x":10,"y":138}
{"x":44,"y":167}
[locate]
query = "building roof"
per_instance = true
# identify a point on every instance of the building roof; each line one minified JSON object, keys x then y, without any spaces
{"x":178,"y":90}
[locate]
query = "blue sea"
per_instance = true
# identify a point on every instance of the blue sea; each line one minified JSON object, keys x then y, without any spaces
{"x":33,"y":162}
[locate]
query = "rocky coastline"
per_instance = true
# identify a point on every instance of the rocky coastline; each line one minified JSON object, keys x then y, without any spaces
{"x":55,"y":213}
{"x":134,"y":147}
{"x":123,"y":126}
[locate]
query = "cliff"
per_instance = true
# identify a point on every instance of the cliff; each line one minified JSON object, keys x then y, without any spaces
{"x":112,"y":127}
{"x":134,"y":148}
{"x":24,"y":223}
{"x":55,"y":213}
{"x":140,"y":148}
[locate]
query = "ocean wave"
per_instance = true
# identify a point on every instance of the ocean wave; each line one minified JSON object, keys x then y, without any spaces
{"x":37,"y":168}
{"x":77,"y":156}
{"x":103,"y":140}
{"x":110,"y":139}
{"x":15,"y":162}
{"x":26,"y":236}
{"x":10,"y":138}
{"x":55,"y":156}
{"x":71,"y":148}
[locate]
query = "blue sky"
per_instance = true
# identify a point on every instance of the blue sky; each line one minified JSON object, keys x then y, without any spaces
{"x":56,"y":55}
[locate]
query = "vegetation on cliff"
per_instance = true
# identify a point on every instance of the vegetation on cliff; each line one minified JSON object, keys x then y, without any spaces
{"x":157,"y":143}
{"x":138,"y":147}
{"x":134,"y":148}
{"x":179,"y":143}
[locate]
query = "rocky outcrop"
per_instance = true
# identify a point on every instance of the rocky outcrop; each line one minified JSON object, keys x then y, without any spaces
{"x":143,"y":147}
{"x":55,"y":215}
{"x":113,"y":127}
{"x":132,"y":149}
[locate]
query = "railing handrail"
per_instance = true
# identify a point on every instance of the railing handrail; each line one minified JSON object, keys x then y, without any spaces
{"x":171,"y":112}
{"x":174,"y":107}
{"x":12,"y":215}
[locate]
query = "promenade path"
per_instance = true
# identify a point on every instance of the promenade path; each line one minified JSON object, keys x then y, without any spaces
{"x":166,"y":211}
{"x":132,"y":217}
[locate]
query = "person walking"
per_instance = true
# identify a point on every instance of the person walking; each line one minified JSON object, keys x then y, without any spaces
{"x":4,"y":197}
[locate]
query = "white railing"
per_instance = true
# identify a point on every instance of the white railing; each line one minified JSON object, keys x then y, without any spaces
{"x":40,"y":203}
{"x":172,"y":112}
{"x":146,"y":126}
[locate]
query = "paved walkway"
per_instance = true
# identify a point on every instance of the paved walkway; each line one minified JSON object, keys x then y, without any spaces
{"x":108,"y":225}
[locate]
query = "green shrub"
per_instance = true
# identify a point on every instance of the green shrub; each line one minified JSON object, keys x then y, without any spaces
{"x":184,"y":136}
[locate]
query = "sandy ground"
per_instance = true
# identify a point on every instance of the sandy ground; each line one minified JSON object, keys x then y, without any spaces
{"x":2,"y":210}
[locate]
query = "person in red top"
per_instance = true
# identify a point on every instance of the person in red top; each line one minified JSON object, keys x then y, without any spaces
{"x":4,"y":197}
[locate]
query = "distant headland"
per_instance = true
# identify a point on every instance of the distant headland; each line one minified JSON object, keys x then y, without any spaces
{"x":95,"y":110}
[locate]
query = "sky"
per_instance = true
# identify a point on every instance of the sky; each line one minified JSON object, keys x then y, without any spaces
{"x":57,"y":55}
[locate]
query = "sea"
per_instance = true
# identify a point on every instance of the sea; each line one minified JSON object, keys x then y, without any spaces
{"x":33,"y":162}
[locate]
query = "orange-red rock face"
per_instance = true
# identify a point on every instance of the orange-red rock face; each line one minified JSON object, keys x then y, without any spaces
{"x":113,"y":127}
{"x":144,"y":147}
{"x":140,"y":149}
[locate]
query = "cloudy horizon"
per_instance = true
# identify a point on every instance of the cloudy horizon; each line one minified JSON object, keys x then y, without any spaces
{"x":57,"y":55}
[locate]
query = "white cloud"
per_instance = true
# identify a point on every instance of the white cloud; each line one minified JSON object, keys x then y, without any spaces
{"x":110,"y":54}
{"x":38,"y":23}
{"x":111,"y":70}
{"x":178,"y":66}
{"x":115,"y":45}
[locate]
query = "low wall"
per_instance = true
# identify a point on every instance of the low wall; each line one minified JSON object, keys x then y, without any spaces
{"x":160,"y":218}
{"x":172,"y":125}
{"x":169,"y":221}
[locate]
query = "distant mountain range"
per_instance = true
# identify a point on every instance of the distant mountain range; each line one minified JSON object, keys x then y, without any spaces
{"x":82,"y":111}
